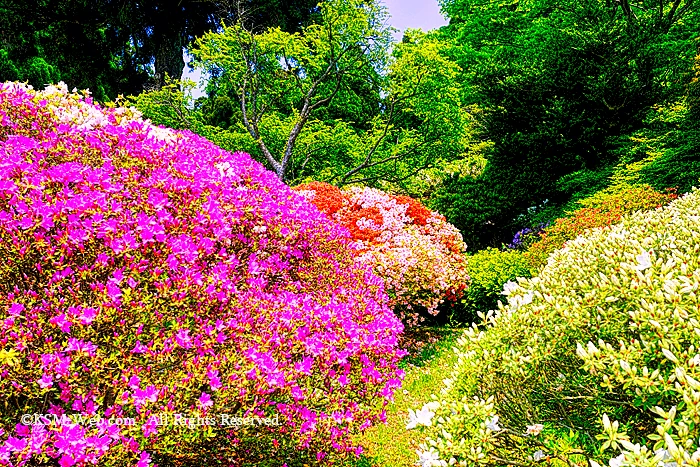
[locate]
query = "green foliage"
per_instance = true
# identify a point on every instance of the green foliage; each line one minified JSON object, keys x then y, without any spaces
{"x":594,"y":357}
{"x":172,"y":106}
{"x":76,"y":41}
{"x":679,"y":165}
{"x":116,"y":47}
{"x":489,"y":269}
{"x":330,"y":103}
{"x":281,"y":80}
{"x":477,"y":208}
{"x":8,"y":70}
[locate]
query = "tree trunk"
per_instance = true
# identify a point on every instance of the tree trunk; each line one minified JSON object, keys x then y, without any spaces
{"x":169,"y":58}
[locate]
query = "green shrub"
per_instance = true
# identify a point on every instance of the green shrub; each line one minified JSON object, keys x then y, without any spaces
{"x":678,"y":167}
{"x":597,"y":358}
{"x":489,"y":269}
{"x":680,"y":164}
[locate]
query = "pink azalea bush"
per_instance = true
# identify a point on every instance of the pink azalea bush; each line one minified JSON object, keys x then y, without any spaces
{"x":416,"y":251}
{"x":147,"y":274}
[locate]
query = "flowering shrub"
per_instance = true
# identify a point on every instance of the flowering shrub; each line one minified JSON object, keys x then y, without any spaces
{"x":604,"y":208}
{"x":595,"y":361}
{"x":417,"y":253}
{"x":147,"y":274}
{"x":524,"y":238}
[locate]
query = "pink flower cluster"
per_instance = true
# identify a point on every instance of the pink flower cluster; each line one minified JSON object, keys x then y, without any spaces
{"x":146,"y":272}
{"x":416,"y":251}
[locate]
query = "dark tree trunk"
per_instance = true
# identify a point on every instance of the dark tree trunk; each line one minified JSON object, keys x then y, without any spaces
{"x":169,"y":59}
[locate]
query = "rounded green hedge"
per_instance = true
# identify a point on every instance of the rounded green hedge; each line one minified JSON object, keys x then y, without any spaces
{"x":489,"y":269}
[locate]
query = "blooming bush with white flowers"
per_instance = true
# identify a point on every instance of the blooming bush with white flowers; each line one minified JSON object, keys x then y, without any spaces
{"x":416,"y":251}
{"x":146,"y":273}
{"x":594,"y":362}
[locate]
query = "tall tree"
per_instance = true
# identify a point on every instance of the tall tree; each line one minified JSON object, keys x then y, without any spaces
{"x":332,"y":103}
{"x":44,"y":41}
{"x":295,"y":74}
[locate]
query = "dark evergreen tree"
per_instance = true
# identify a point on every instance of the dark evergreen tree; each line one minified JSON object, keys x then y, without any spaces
{"x":119,"y":46}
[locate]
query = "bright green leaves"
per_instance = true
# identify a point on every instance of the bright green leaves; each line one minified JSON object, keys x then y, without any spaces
{"x":8,"y":357}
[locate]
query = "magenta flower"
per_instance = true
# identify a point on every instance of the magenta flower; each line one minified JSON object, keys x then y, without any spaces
{"x":139,"y":348}
{"x":205,"y":401}
{"x":183,"y":338}
{"x":144,"y":460}
{"x":76,"y":345}
{"x":16,"y":309}
{"x":142,"y":396}
{"x":16,"y":444}
{"x":214,"y":381}
{"x":61,"y":322}
{"x":304,"y":366}
{"x":45,"y":381}
{"x":134,"y":382}
{"x":66,"y":461}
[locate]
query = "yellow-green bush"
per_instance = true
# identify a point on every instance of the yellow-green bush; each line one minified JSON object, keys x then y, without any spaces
{"x":489,"y":269}
{"x":597,"y":358}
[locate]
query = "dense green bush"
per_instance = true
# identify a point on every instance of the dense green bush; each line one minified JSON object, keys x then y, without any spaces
{"x":489,"y":269}
{"x":594,"y":361}
{"x":679,"y":163}
{"x":679,"y":167}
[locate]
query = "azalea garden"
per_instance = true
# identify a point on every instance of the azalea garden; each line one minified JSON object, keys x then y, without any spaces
{"x":475,"y":246}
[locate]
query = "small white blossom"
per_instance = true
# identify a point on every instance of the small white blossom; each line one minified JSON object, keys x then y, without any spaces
{"x":517,"y":301}
{"x":618,"y":461}
{"x":429,"y":458}
{"x":509,"y":287}
{"x":538,"y":455}
{"x":643,"y":261}
{"x":535,"y":429}
{"x":434,"y":405}
{"x":493,"y":424}
{"x":423,"y":417}
{"x":663,"y":455}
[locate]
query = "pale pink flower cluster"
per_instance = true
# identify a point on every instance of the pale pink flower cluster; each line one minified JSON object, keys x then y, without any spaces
{"x":421,"y":257}
{"x":420,"y":264}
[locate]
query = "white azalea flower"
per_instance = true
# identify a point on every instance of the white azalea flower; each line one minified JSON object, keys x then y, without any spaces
{"x":429,"y":458}
{"x":663,"y":455}
{"x":432,"y":405}
{"x":509,"y":287}
{"x":538,"y":455}
{"x":618,"y":461}
{"x":493,"y":424}
{"x":423,"y":417}
{"x":517,"y":301}
{"x":643,"y":261}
